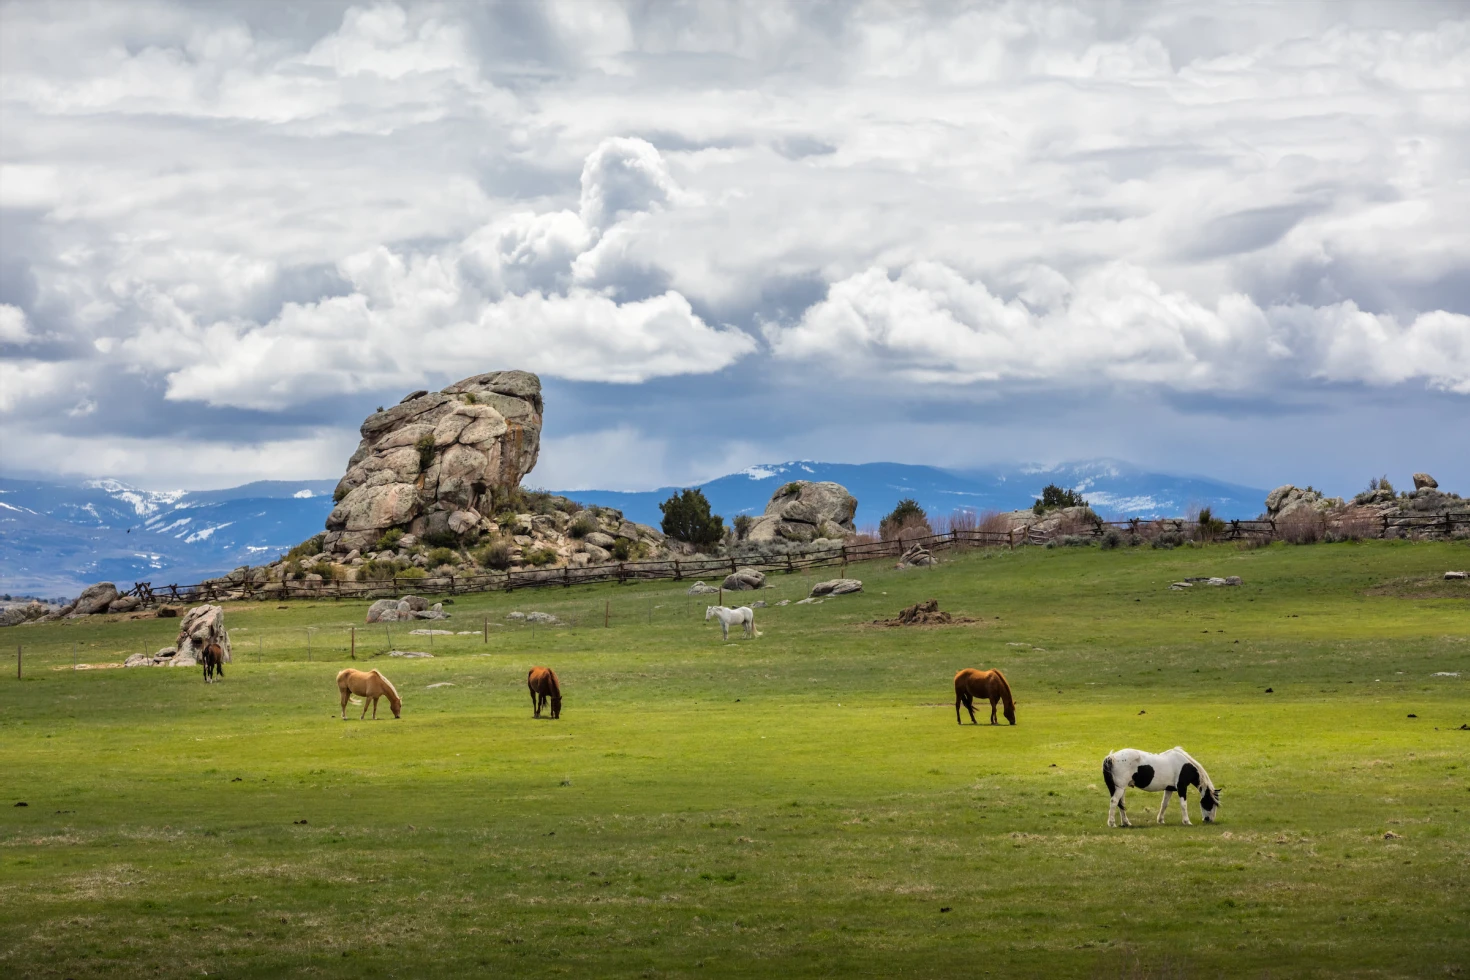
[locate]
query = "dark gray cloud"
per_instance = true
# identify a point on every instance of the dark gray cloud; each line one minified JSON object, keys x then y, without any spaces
{"x":954,"y":233}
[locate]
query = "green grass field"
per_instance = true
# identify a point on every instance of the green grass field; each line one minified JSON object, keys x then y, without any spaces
{"x":802,"y":804}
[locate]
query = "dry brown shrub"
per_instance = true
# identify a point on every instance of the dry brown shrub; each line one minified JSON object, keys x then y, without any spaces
{"x":1355,"y":525}
{"x":1301,"y":526}
{"x":1085,"y":522}
{"x":908,"y":530}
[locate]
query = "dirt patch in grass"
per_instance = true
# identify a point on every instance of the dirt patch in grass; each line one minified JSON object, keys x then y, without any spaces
{"x":926,"y":613}
{"x":1408,"y":587}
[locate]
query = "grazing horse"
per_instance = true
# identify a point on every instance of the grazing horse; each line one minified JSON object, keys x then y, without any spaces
{"x":368,"y":685}
{"x":987,"y":685}
{"x":744,"y":615}
{"x":213,"y":661}
{"x":543,"y":684}
{"x":1168,"y":772}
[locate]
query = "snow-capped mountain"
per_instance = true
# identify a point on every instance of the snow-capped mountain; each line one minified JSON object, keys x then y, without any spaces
{"x":57,"y":538}
{"x":1113,"y":488}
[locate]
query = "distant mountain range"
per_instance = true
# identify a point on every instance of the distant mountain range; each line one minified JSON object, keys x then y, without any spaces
{"x":1113,"y":488}
{"x":57,"y":538}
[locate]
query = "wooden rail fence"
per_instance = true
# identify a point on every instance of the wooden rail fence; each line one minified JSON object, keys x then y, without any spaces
{"x":678,"y":569}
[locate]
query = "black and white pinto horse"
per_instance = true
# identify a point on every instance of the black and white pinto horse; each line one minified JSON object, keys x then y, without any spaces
{"x":1168,"y":772}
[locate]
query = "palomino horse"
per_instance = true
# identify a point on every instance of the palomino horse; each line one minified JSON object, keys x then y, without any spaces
{"x":368,"y":685}
{"x":744,"y":615}
{"x":213,"y":661}
{"x":987,"y":685}
{"x":543,"y":684}
{"x":1168,"y":772}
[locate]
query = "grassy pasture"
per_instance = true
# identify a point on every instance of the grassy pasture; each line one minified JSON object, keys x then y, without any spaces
{"x":801,"y":804}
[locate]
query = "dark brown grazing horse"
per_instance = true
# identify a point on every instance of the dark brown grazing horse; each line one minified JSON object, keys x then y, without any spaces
{"x":986,"y":685}
{"x":543,"y":684}
{"x":213,"y":661}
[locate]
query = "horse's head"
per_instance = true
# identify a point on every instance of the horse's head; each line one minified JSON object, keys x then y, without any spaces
{"x":396,"y":703}
{"x":1010,"y":712}
{"x":709,"y":611}
{"x":556,"y":706}
{"x":1209,"y":803}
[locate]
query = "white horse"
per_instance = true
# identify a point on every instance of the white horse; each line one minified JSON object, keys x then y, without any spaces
{"x":1168,"y":772}
{"x":744,"y":615}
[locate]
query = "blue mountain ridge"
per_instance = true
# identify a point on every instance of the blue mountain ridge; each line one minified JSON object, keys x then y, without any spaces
{"x":1114,"y":489}
{"x":57,"y":538}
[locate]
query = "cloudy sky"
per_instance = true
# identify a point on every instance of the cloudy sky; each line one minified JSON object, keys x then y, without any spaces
{"x":1224,"y":239}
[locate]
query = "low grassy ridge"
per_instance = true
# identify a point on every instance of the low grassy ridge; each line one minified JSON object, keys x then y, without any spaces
{"x":801,"y":804}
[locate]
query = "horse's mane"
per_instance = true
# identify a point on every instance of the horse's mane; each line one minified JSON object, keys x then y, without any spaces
{"x":1005,"y":688}
{"x":1205,"y":780}
{"x":392,"y":691}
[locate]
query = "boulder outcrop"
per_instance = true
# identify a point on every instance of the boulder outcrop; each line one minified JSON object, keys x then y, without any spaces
{"x":1288,"y":499}
{"x":430,"y":464}
{"x":804,"y":511}
{"x":202,"y":626}
{"x":1422,"y":480}
{"x":745,"y":580}
{"x":94,"y":599}
{"x":836,"y":586}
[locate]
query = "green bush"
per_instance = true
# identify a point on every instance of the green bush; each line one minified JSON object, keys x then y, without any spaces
{"x":538,"y":557}
{"x":743,"y":524}
{"x":425,"y":446}
{"x":1054,"y":497}
{"x":1111,"y":539}
{"x":584,"y":525}
{"x":622,"y":550}
{"x":1210,"y":526}
{"x":389,"y":539}
{"x":441,"y":539}
{"x":495,"y":555}
{"x":906,"y":516}
{"x":380,"y":570}
{"x":412,"y":571}
{"x":311,"y":546}
{"x":687,"y":518}
{"x":443,"y":556}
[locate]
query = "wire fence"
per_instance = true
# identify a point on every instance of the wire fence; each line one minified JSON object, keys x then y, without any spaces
{"x":1299,"y":527}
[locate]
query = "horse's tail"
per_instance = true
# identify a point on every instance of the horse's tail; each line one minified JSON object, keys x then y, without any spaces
{"x":1108,"y":776}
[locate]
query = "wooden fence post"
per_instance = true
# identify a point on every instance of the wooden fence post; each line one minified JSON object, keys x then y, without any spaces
{"x":606,"y":613}
{"x":487,"y":630}
{"x":19,"y":652}
{"x":353,"y":630}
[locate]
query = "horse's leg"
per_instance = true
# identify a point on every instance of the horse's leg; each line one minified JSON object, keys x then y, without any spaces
{"x":992,"y":711}
{"x":958,"y":700}
{"x":1183,"y":805}
{"x":346,"y":696}
{"x":534,"y":710}
{"x":375,"y":708}
{"x":1117,"y":806}
{"x":1164,"y":806}
{"x":970,"y":707}
{"x":725,"y":629}
{"x":364,"y":708}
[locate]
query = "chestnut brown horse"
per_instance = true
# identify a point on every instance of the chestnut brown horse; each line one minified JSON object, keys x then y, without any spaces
{"x":368,"y":685}
{"x":543,"y":684}
{"x":213,"y":662}
{"x":987,"y":685}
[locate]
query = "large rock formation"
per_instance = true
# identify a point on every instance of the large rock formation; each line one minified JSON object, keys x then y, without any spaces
{"x":1287,"y":499}
{"x":804,"y":511}
{"x":429,"y":464}
{"x":202,"y":626}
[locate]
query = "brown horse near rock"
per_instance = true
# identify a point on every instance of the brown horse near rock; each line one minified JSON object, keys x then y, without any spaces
{"x":986,"y":685}
{"x":368,"y":685}
{"x":543,"y":684}
{"x":213,"y":662}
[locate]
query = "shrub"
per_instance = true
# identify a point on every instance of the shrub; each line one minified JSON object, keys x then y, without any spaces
{"x":743,"y":524}
{"x":412,"y":571}
{"x":687,"y":518}
{"x":1076,"y":540}
{"x":584,"y":525}
{"x":1168,"y":539}
{"x":425,"y":446}
{"x":538,"y":557}
{"x":311,"y":546}
{"x":389,"y":539}
{"x":379,"y":569}
{"x":1209,"y":526}
{"x":622,"y":549}
{"x":1300,"y":526}
{"x":440,"y":539}
{"x":1054,"y":497}
{"x":443,"y":556}
{"x":906,"y":520}
{"x":1112,"y":538}
{"x":470,"y":399}
{"x":495,"y":555}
